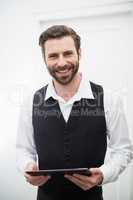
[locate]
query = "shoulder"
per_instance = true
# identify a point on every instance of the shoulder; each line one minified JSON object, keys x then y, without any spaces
{"x":39,"y":95}
{"x":40,"y":90}
{"x":114,"y":101}
{"x":28,"y":97}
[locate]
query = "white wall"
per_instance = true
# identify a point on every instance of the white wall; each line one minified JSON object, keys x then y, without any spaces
{"x":22,"y":68}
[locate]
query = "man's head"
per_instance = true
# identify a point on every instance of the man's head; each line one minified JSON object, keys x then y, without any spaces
{"x":61,"y":51}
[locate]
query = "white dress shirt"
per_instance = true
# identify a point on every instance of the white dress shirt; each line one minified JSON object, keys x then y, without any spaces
{"x":119,"y":151}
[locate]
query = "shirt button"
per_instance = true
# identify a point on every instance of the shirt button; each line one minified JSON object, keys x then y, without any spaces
{"x":65,"y":131}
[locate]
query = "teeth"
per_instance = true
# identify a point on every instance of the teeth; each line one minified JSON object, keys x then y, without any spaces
{"x":63,"y":71}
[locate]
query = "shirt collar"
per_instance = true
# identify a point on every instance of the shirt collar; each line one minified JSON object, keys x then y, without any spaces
{"x":84,"y":91}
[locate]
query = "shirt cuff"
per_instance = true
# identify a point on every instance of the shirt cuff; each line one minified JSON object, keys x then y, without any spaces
{"x":109,"y":174}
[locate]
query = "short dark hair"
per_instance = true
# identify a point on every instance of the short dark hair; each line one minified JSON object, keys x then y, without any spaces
{"x":58,"y":31}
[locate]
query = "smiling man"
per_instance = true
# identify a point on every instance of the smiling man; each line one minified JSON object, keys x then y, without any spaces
{"x":68,"y":124}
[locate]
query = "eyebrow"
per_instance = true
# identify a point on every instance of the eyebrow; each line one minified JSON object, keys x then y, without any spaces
{"x":68,"y":52}
{"x":53,"y":54}
{"x":65,"y":53}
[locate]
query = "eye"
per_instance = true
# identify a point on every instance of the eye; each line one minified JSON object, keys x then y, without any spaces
{"x":53,"y":55}
{"x":68,"y":53}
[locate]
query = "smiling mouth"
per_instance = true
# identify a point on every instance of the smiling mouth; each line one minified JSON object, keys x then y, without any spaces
{"x":63,"y":71}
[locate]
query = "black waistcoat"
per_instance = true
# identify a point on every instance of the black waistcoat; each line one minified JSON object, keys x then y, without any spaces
{"x":81,"y":142}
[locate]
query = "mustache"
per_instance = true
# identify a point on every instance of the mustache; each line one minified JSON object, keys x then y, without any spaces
{"x":65,"y":67}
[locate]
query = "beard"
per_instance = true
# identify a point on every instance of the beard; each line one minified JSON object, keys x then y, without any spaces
{"x":65,"y":74}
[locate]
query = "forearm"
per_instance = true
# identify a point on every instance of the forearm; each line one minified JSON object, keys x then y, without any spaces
{"x":115,"y":163}
{"x":23,"y":157}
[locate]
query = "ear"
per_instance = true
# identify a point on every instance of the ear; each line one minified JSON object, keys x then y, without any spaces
{"x":79,"y":52}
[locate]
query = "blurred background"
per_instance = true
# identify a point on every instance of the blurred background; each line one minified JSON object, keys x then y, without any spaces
{"x":106,"y":29}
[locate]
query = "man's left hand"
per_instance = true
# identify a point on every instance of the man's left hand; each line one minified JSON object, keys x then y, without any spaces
{"x":87,"y":182}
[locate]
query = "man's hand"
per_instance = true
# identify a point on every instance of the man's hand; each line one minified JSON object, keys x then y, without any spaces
{"x":87,"y":182}
{"x":35,"y":180}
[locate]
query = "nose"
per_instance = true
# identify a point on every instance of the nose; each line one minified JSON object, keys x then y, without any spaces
{"x":61,"y":61}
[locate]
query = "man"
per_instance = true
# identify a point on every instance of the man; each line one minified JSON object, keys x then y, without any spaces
{"x":67,"y":123}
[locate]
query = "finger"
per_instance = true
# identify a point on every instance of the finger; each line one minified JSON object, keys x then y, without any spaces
{"x":78,"y":182}
{"x":82,"y":177}
{"x":33,"y":178}
{"x":40,"y":178}
{"x":88,"y":180}
{"x":39,"y":182}
{"x":27,"y":176}
{"x":95,"y":171}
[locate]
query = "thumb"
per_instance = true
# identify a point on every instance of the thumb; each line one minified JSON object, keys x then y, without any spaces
{"x":95,"y":171}
{"x":31,"y":166}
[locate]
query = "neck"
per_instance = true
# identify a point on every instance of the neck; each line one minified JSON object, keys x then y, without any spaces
{"x":69,"y":90}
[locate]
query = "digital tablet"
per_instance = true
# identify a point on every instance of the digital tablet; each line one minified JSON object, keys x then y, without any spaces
{"x":82,"y":171}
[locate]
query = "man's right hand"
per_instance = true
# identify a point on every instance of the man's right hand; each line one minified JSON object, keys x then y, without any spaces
{"x":35,"y":180}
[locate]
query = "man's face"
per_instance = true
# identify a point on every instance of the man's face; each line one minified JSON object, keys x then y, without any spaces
{"x":62,"y":59}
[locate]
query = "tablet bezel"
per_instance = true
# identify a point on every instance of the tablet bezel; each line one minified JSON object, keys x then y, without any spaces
{"x":81,"y":171}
